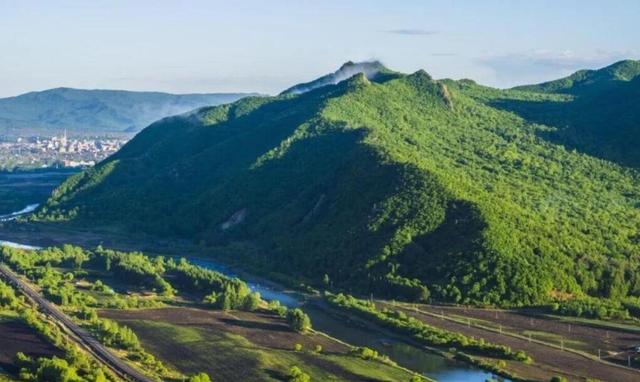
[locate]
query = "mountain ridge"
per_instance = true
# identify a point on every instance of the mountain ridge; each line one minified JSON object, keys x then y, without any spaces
{"x":624,"y":70}
{"x":400,"y":185}
{"x":95,"y":111}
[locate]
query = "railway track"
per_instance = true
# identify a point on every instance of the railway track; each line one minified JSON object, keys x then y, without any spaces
{"x":81,"y":336}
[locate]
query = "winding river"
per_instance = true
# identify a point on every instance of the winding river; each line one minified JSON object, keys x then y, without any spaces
{"x":411,"y":357}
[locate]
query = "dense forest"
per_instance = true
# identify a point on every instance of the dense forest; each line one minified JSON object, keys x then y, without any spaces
{"x":394,"y":184}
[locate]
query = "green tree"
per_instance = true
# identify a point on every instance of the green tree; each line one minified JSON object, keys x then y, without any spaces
{"x":297,"y":375}
{"x":251,"y":301}
{"x":200,"y":377}
{"x":298,"y":320}
{"x":56,"y":370}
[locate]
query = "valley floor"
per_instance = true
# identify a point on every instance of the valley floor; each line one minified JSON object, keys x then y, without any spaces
{"x":558,"y":347}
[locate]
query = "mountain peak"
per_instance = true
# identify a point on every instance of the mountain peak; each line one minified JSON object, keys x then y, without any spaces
{"x":369,"y":69}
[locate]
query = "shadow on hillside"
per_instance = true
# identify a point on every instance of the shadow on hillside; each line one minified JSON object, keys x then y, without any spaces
{"x":435,"y":256}
{"x":605,"y":127}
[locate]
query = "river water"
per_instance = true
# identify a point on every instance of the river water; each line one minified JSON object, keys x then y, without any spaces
{"x":423,"y":361}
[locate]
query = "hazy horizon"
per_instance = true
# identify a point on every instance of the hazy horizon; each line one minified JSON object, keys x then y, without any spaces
{"x":211,"y":47}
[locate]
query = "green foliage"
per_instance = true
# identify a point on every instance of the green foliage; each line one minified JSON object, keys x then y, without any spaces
{"x":591,"y":308}
{"x":224,"y":292}
{"x":298,"y":320}
{"x":401,"y":186}
{"x":200,"y":377}
{"x":251,"y":301}
{"x":399,"y":321}
{"x":276,"y":307}
{"x":8,"y":297}
{"x":297,"y":375}
{"x":55,"y":370}
{"x":114,"y":335}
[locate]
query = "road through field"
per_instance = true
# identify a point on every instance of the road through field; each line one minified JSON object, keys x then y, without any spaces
{"x":98,"y":350}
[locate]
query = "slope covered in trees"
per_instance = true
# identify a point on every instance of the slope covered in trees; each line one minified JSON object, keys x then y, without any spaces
{"x":593,"y":111}
{"x":398,"y":185}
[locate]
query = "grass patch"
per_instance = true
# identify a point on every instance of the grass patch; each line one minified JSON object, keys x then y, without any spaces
{"x":227,"y":356}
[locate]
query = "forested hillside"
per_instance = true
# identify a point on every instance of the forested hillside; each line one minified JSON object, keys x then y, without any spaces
{"x":95,"y":112}
{"x":398,"y":185}
{"x":597,"y":112}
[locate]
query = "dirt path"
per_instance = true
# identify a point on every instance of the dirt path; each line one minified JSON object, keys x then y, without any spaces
{"x":562,"y":361}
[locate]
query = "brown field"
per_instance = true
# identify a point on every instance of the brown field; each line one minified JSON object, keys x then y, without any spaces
{"x":244,"y":346}
{"x":260,"y":328}
{"x":17,"y":337}
{"x":555,"y":360}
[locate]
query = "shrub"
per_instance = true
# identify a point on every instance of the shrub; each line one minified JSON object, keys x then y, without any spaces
{"x":297,"y":375}
{"x":298,"y":320}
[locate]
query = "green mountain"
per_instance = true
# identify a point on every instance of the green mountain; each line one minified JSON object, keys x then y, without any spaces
{"x":95,"y":112}
{"x":593,"y":111}
{"x":584,"y":81}
{"x":395,"y":184}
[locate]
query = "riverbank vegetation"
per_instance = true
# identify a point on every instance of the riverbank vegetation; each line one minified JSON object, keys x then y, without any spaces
{"x":422,"y":332}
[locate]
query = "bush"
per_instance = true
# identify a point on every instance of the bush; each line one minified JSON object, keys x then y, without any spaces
{"x":200,"y":377}
{"x":297,"y":375}
{"x":298,"y":320}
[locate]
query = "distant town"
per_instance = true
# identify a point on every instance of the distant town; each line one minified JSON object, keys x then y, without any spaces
{"x":57,"y":151}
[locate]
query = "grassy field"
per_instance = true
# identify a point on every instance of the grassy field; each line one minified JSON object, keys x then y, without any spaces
{"x":245,"y":346}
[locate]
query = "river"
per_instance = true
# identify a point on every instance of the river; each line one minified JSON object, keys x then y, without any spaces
{"x":423,"y":361}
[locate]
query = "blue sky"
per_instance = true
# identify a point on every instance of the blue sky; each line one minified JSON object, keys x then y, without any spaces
{"x":266,"y":46}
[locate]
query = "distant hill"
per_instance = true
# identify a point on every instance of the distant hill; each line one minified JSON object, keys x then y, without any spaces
{"x":397,"y":185}
{"x":95,"y":112}
{"x":589,"y":80}
{"x":592,"y":111}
